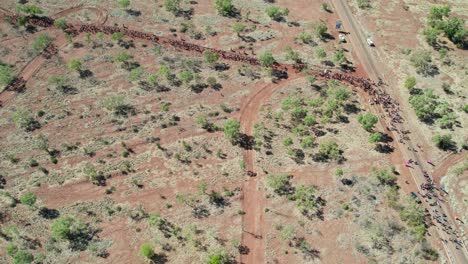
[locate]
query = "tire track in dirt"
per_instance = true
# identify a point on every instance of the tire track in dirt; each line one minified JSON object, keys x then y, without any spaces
{"x":444,"y":166}
{"x":102,"y":13}
{"x":253,"y":199}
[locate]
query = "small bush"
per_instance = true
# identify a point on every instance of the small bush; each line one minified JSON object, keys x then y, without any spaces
{"x":28,"y":198}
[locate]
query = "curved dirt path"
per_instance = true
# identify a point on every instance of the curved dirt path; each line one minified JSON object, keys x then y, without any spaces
{"x":102,"y":14}
{"x":253,"y":198}
{"x":441,"y":169}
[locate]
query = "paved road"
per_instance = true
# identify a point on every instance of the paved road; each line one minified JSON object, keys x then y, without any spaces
{"x":455,"y":254}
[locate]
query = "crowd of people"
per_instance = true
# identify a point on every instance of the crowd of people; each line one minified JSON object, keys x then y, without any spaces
{"x":17,"y":85}
{"x":49,"y":51}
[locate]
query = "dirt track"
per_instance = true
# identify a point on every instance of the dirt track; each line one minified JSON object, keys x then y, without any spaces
{"x":358,"y":39}
{"x":253,"y":198}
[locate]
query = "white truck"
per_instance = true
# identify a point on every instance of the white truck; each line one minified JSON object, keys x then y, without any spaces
{"x":370,"y":42}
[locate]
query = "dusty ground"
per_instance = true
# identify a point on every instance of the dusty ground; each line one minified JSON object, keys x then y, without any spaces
{"x":161,"y":175}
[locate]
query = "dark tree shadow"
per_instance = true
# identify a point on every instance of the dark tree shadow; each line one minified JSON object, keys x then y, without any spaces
{"x":48,"y":213}
{"x":384,"y":148}
{"x":85,"y":74}
{"x":133,"y":12}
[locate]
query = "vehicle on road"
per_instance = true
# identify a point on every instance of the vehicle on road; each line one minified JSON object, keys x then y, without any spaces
{"x":370,"y":42}
{"x":341,"y":37}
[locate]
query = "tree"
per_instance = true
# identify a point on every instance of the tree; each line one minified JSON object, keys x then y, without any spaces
{"x":325,"y":7}
{"x":224,"y":7}
{"x":279,"y":183}
{"x":304,"y":37}
{"x":75,"y":64}
{"x":152,"y":79}
{"x":320,"y":53}
{"x":421,"y":60}
{"x":123,"y":3}
{"x":454,"y":30}
{"x":339,"y":57}
{"x":23,"y":257}
{"x":122,"y":57}
{"x":310,"y":120}
{"x":238,"y":28}
{"x":219,"y":258}
{"x":117,"y":105}
{"x":212,"y":82}
{"x":28,"y":199}
{"x":410,"y":82}
{"x":67,"y":228}
{"x":424,"y":104}
{"x":59,"y":81}
{"x":375,"y":137}
{"x":444,"y":142}
{"x":186,"y":76}
{"x":6,"y":74}
{"x":320,"y":29}
{"x":11,"y":249}
{"x":266,"y":59}
{"x":431,"y":34}
{"x":288,"y":141}
{"x":232,"y":131}
{"x":210,"y":57}
{"x":60,"y":23}
{"x":363,"y":4}
{"x":447,"y":120}
{"x":172,"y":6}
{"x":117,"y":36}
{"x":384,"y":176}
{"x":275,"y":13}
{"x":166,"y":72}
{"x":146,"y":250}
{"x":437,"y":14}
{"x":329,"y":150}
{"x":29,"y":9}
{"x":291,"y":54}
{"x":24,"y":120}
{"x":367,"y":121}
{"x":135,"y":74}
{"x":41,"y":42}
{"x":307,"y":142}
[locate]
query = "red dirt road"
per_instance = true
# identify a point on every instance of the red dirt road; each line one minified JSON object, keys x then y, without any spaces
{"x":253,"y":198}
{"x":358,"y":41}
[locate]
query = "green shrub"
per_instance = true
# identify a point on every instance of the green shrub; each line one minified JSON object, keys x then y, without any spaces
{"x":287,"y":141}
{"x":232,"y":131}
{"x":146,"y":250}
{"x":363,"y":4}
{"x":123,"y":3}
{"x":368,"y":121}
{"x":41,"y":42}
{"x":224,"y":7}
{"x":28,"y":198}
{"x":444,"y":142}
{"x":23,"y":257}
{"x":276,"y":13}
{"x":307,"y":142}
{"x":266,"y":59}
{"x":60,"y":23}
{"x":410,"y":82}
{"x":67,"y":228}
{"x":6,"y":74}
